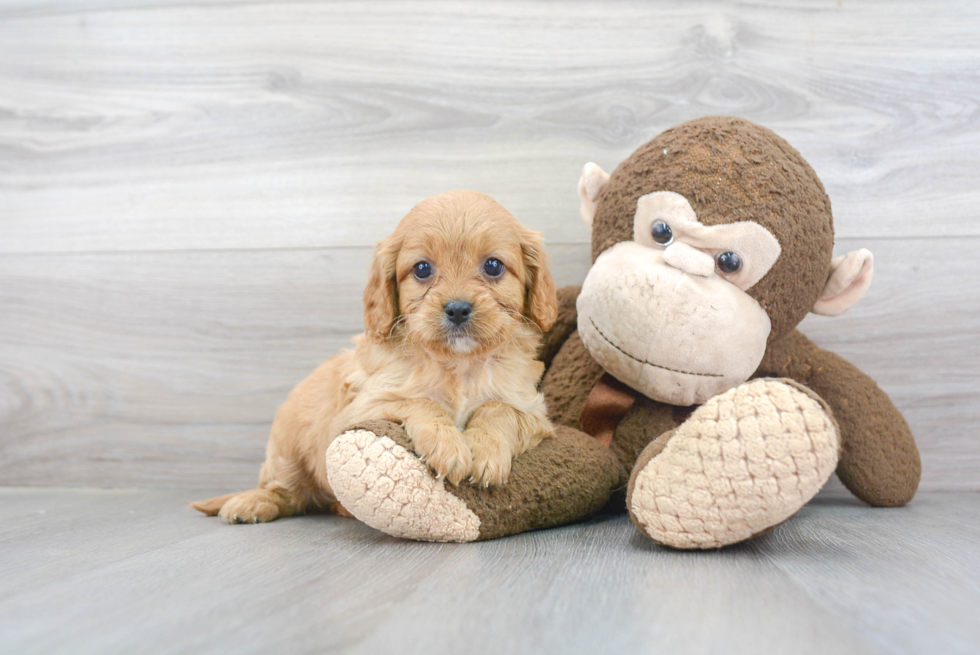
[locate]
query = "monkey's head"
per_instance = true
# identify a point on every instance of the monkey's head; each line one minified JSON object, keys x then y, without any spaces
{"x":709,"y":243}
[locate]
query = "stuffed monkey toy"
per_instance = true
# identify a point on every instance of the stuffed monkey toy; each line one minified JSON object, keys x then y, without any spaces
{"x":675,"y":373}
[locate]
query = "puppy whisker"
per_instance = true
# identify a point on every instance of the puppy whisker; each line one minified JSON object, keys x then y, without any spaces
{"x":520,"y":317}
{"x":401,"y":320}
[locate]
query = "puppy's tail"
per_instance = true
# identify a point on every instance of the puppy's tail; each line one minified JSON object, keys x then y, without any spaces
{"x":211,"y":506}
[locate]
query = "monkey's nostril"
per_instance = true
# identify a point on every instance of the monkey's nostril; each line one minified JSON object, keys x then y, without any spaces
{"x":458,"y":311}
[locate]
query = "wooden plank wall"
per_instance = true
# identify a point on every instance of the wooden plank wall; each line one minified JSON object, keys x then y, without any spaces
{"x":189,"y":191}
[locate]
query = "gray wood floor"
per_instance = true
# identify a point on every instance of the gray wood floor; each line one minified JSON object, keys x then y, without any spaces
{"x":125,"y":571}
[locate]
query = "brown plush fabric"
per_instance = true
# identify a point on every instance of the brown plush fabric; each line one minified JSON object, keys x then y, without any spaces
{"x":879,"y":460}
{"x":390,"y":429}
{"x":564,"y":479}
{"x":729,"y":170}
{"x":565,"y":324}
{"x":568,"y":381}
{"x":645,"y":422}
{"x":733,"y":170}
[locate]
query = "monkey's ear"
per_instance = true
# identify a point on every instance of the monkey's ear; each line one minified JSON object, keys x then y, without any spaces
{"x":589,"y":185}
{"x":850,"y":277}
{"x":381,"y":292}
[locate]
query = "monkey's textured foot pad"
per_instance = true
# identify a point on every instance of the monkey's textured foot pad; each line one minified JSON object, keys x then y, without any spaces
{"x":744,"y":462}
{"x":384,"y":485}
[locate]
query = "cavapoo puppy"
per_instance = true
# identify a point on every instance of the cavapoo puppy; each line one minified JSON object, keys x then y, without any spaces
{"x":454,"y":309}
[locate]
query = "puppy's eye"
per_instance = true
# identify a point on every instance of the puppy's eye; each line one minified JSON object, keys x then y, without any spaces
{"x":729,"y":262}
{"x":422,"y":270}
{"x":662,"y":233}
{"x":493,"y":267}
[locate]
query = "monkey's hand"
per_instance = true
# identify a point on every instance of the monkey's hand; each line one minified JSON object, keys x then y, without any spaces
{"x":879,"y":461}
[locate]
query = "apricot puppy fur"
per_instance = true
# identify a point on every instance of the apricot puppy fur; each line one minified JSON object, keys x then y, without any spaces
{"x":454,"y":309}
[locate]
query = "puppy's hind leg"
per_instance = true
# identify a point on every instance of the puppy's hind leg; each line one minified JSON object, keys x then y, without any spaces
{"x":270,"y":501}
{"x":253,"y":506}
{"x":258,"y":506}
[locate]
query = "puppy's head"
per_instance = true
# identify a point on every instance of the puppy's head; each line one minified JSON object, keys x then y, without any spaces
{"x":459,"y":276}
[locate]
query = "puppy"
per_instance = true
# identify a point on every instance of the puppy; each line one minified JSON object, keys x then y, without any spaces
{"x":454,"y":309}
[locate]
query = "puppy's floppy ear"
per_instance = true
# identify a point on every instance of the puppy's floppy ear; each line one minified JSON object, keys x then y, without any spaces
{"x":381,"y":292}
{"x":540,"y":300}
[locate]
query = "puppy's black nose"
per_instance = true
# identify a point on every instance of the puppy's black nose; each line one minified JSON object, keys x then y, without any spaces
{"x":458,"y":311}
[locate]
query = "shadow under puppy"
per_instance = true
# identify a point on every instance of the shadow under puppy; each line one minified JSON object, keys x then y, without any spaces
{"x":454,"y":309}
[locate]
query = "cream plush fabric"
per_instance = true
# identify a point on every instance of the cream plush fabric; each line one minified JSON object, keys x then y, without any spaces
{"x":709,"y":335}
{"x":385,"y":486}
{"x":746,"y":460}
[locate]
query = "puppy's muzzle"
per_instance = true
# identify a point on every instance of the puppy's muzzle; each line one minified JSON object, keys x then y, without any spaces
{"x":458,"y":311}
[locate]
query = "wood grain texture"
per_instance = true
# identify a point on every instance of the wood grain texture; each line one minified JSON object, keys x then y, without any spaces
{"x":913,"y":566}
{"x":129,"y":571}
{"x":165,"y":369}
{"x":174,"y":125}
{"x":189,"y":191}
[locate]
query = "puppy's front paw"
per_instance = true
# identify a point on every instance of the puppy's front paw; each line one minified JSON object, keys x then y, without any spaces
{"x":492,"y":458}
{"x":442,"y":448}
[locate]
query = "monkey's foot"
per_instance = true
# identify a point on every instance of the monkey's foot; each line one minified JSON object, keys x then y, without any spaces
{"x":375,"y":474}
{"x":378,"y":478}
{"x":743,"y":463}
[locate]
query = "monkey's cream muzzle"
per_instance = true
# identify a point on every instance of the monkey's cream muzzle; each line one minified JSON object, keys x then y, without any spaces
{"x":674,"y":336}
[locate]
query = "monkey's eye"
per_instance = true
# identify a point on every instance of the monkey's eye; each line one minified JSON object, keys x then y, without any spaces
{"x":422,"y":270}
{"x":729,"y":262}
{"x":662,"y":233}
{"x":493,"y":267}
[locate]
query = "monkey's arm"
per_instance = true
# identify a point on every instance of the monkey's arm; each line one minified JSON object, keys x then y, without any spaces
{"x":566,"y":323}
{"x":879,"y":461}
